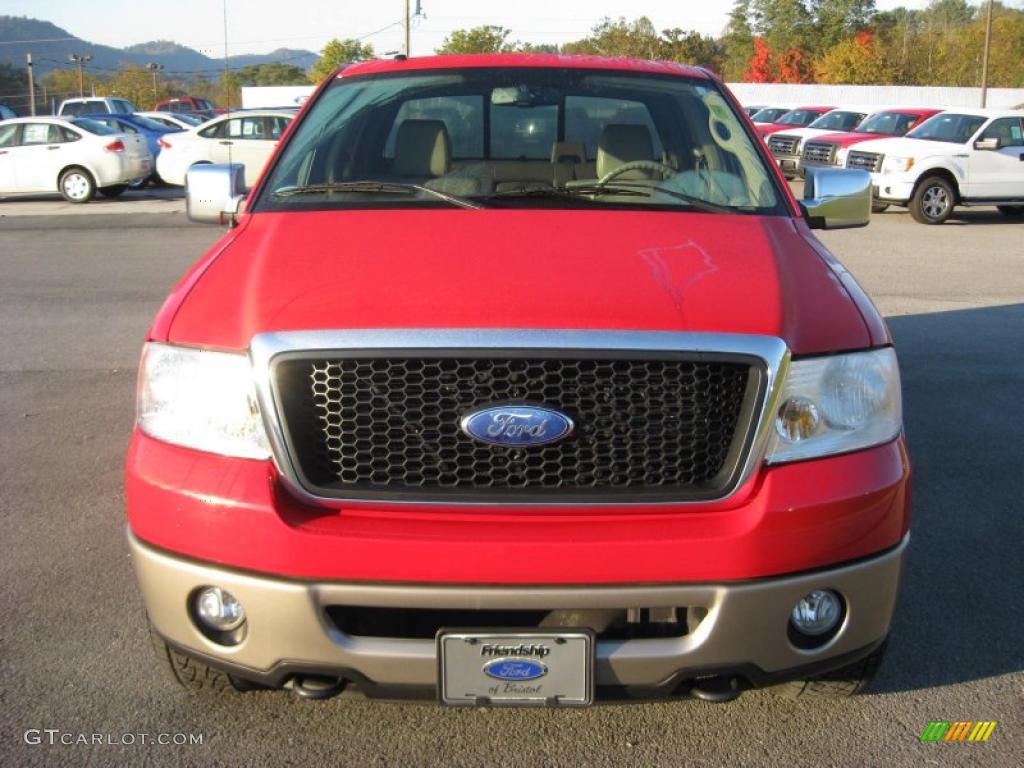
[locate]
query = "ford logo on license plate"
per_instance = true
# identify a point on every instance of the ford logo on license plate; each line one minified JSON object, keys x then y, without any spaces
{"x":515,"y":669}
{"x":516,"y":425}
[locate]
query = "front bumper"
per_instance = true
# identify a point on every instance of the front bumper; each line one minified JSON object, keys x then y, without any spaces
{"x":892,"y":188}
{"x":743,"y":633}
{"x":788,"y":164}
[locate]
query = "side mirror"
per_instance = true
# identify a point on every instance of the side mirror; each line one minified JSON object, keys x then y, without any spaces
{"x":214,"y":193}
{"x":837,"y":198}
{"x":991,"y":143}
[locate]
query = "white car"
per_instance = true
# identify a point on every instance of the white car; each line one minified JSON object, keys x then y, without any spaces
{"x":959,"y":157}
{"x":75,"y":157}
{"x":787,"y":145}
{"x":248,"y":138}
{"x":174,"y":120}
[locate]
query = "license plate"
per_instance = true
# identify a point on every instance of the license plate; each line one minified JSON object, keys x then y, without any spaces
{"x":516,"y":669}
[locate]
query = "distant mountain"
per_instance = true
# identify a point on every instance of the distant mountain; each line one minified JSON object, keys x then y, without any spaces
{"x":51,"y":47}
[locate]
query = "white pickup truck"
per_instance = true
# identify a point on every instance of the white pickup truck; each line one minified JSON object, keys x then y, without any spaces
{"x":961,"y":157}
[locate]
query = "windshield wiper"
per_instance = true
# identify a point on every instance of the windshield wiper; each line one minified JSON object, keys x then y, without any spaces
{"x":374,"y":187}
{"x":619,"y":188}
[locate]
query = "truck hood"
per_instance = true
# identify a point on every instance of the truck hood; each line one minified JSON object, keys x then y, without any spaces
{"x":916,"y":148}
{"x":844,"y":139}
{"x":458,"y":268}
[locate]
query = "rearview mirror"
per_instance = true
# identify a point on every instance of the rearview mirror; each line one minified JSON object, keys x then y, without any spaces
{"x":214,"y":193}
{"x":837,"y":198}
{"x":991,"y":143}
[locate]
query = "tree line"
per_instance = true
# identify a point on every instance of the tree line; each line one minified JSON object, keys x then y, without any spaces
{"x":787,"y":41}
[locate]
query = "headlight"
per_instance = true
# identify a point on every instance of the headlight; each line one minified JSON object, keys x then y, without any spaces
{"x":837,"y":404}
{"x":199,"y":399}
{"x":897,"y":164}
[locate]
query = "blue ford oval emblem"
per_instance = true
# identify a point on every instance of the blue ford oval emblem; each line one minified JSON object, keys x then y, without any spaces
{"x":517,"y":425}
{"x":515,"y":669}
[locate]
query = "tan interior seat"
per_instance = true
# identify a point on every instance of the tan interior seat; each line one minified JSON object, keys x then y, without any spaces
{"x":622,"y":143}
{"x":422,"y":149}
{"x":423,"y":155}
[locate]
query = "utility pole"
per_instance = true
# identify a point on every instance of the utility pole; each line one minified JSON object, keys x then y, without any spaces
{"x":153,"y":67}
{"x":31,"y":86}
{"x":407,"y":29}
{"x":80,"y":59}
{"x":984,"y":59}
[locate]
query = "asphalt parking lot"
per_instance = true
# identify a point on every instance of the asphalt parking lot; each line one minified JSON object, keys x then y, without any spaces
{"x":76,"y":295}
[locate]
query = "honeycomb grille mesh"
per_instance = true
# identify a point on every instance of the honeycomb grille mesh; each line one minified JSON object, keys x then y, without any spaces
{"x":392,"y":424}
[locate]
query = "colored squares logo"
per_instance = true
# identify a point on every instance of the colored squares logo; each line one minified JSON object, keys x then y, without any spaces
{"x":958,"y":730}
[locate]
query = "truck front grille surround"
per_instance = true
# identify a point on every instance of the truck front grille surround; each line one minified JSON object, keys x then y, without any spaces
{"x":366,"y":423}
{"x":781,"y":144}
{"x":867,"y":161}
{"x":819,"y":153}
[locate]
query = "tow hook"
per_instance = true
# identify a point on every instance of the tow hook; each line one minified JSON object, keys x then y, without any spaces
{"x":313,"y":687}
{"x":717,"y":690}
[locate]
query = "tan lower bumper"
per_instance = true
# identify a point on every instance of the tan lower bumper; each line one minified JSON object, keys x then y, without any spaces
{"x":745,"y":625}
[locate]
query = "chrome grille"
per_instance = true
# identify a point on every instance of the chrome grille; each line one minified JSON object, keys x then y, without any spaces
{"x":658,"y":425}
{"x":781,"y":144}
{"x":819,"y":153}
{"x":868,"y":161}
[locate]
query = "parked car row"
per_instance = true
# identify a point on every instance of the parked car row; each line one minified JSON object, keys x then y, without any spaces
{"x":928,"y":160}
{"x":74,"y":156}
{"x":162,"y":146}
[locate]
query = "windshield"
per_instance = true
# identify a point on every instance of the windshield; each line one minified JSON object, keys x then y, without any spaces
{"x":769,"y":114}
{"x":526,"y":137}
{"x":838,"y":120}
{"x":956,"y":129}
{"x":799,"y":117}
{"x":887,"y":124}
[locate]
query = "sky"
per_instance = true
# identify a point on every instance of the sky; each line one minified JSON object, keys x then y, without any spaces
{"x":261,"y":26}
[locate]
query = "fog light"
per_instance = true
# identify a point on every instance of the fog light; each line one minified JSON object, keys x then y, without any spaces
{"x":817,"y":613}
{"x":219,"y":610}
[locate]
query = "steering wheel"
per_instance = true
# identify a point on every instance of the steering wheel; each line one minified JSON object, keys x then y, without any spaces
{"x":666,"y":171}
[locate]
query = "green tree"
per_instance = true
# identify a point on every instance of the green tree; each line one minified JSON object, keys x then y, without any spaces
{"x":859,"y":60}
{"x":271,"y":73}
{"x":692,"y":48}
{"x":337,"y":53}
{"x":636,"y":39}
{"x":838,"y":20}
{"x":63,"y":83}
{"x":737,"y":42}
{"x":783,"y":24}
{"x":485,"y":39}
{"x":135,"y":83}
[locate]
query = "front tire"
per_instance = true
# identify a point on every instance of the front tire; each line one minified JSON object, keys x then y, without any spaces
{"x":76,"y":185}
{"x":1013,"y":211}
{"x":113,"y":191}
{"x":840,"y":683}
{"x":933,"y":201}
{"x":193,"y":676}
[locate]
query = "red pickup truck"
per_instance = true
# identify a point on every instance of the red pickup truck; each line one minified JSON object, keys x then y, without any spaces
{"x":520,"y":380}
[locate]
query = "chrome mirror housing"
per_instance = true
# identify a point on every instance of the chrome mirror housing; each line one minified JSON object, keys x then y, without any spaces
{"x":214,"y":193}
{"x":837,"y":198}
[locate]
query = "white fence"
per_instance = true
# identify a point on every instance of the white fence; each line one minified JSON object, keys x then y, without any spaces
{"x":784,"y":94}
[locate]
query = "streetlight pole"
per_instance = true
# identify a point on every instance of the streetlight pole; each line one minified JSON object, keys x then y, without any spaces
{"x":153,"y":67}
{"x":80,"y":59}
{"x":984,"y":58}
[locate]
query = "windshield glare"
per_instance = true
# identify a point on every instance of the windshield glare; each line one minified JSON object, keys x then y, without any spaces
{"x":769,"y":115}
{"x":887,"y":124}
{"x":838,"y":121}
{"x":956,"y":129}
{"x":528,"y":137}
{"x":799,"y":117}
